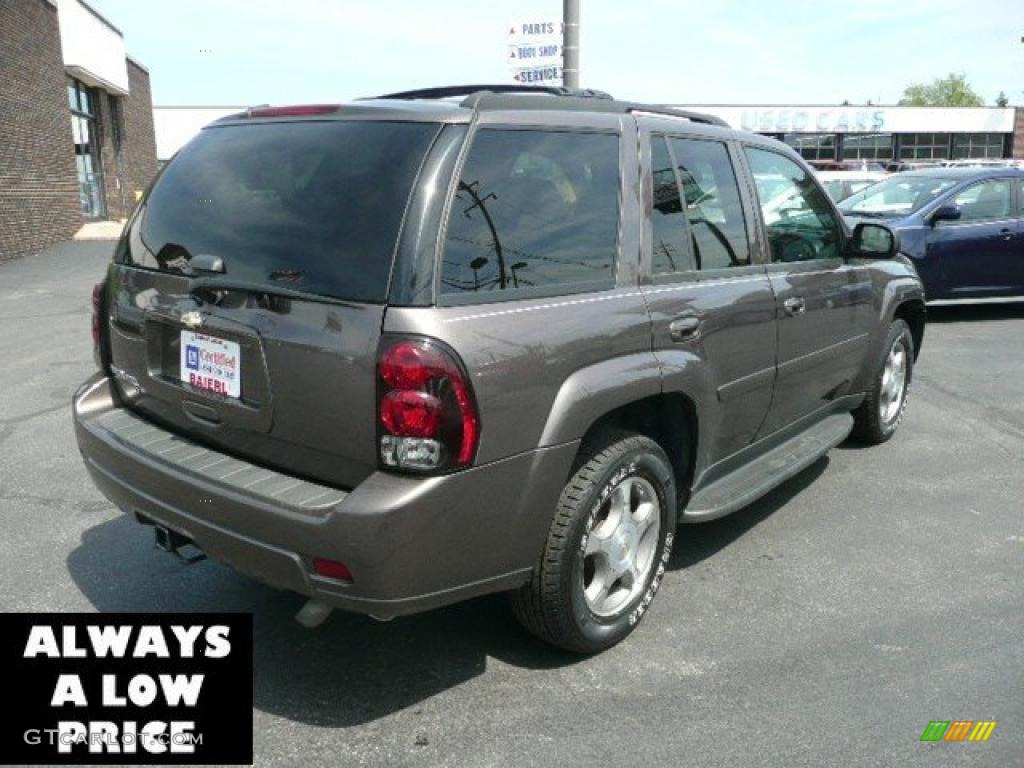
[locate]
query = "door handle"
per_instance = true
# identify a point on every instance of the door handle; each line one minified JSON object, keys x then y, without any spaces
{"x":684,"y":328}
{"x":794,"y":305}
{"x":1006,"y":232}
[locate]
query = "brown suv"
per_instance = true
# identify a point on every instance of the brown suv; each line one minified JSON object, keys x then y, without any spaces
{"x":397,"y":353}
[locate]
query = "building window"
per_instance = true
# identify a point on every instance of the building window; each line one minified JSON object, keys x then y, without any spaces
{"x":116,"y":121}
{"x":978,"y":145}
{"x":868,"y":146}
{"x":813,"y":146}
{"x":924,"y":146}
{"x":84,"y":124}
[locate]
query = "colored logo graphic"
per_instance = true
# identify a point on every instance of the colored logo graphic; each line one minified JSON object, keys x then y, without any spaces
{"x":959,"y":730}
{"x":192,"y":357}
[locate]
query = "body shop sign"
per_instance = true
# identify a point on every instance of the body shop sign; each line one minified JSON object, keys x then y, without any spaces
{"x":126,"y":688}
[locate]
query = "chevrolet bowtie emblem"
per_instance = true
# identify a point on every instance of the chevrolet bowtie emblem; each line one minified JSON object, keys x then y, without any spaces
{"x":192,"y":319}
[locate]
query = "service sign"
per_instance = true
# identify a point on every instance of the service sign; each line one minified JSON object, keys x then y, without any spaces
{"x":126,"y":689}
{"x":539,"y":76}
{"x":534,"y":51}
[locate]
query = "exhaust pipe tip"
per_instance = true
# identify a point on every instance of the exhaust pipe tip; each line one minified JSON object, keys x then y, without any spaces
{"x":313,"y":614}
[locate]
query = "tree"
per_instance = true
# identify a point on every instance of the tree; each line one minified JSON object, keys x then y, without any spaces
{"x":1002,"y":100}
{"x":952,"y":91}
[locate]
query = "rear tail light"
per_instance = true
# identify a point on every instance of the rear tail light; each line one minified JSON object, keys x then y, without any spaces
{"x":98,"y":352}
{"x":428,"y":419}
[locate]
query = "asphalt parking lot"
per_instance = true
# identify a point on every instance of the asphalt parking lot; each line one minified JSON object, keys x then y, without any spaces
{"x":827,"y":624}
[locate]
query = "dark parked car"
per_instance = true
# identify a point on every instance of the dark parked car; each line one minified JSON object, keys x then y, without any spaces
{"x":962,"y":227}
{"x":402,"y":352}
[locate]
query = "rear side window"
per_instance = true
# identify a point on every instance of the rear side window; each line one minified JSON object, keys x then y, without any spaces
{"x":534,"y":212}
{"x":313,"y":206}
{"x":713,"y":206}
{"x":668,"y":220}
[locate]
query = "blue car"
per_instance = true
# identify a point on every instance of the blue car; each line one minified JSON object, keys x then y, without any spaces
{"x":962,"y":227}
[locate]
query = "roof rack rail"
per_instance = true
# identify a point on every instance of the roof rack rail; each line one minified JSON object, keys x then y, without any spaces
{"x":449,"y":91}
{"x":504,"y":96}
{"x":694,"y":117}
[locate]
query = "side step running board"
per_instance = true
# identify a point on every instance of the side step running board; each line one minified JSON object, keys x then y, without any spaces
{"x":755,"y":479}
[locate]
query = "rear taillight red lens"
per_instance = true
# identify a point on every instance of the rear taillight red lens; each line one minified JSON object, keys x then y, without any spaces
{"x":428,"y":418}
{"x":100,"y":340}
{"x":97,"y":311}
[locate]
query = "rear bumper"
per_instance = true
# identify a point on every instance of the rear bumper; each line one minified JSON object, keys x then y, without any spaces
{"x":411,"y":543}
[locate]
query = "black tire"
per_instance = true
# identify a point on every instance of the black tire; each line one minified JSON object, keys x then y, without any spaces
{"x":869,"y":423}
{"x":552,"y":605}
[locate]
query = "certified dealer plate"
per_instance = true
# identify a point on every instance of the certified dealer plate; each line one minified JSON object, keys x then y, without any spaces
{"x":211,"y":364}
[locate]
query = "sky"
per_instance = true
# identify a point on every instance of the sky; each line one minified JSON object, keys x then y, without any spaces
{"x":245,"y":52}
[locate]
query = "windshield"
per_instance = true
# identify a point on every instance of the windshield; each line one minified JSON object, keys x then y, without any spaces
{"x":309,"y":206}
{"x":896,"y":196}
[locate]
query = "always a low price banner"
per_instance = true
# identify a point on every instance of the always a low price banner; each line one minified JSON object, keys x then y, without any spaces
{"x":126,"y":688}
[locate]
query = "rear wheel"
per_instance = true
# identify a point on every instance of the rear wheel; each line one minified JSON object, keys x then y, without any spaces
{"x":876,"y":420}
{"x":608,"y":546}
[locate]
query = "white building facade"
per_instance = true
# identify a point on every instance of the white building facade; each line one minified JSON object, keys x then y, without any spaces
{"x":844,"y":132}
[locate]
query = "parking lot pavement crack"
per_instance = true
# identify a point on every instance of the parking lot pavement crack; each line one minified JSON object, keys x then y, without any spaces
{"x":7,"y":426}
{"x":16,"y":420}
{"x":992,"y":417}
{"x":83,"y":310}
{"x":88,"y":507}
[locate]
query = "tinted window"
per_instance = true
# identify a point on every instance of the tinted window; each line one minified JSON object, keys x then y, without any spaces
{"x":898,"y":195}
{"x":313,"y":205}
{"x":713,"y":205}
{"x":534,"y":210}
{"x":988,"y":200}
{"x":796,"y":212}
{"x":669,"y":251}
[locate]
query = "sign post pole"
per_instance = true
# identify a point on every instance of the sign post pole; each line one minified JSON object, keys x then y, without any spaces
{"x":571,"y":43}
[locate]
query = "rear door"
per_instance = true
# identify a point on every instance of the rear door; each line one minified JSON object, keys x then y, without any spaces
{"x":980,"y":253}
{"x":824,"y":304}
{"x":248,"y":296}
{"x":708,"y":296}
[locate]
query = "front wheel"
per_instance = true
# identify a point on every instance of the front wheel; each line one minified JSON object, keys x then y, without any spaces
{"x":877,"y":418}
{"x":607,"y":549}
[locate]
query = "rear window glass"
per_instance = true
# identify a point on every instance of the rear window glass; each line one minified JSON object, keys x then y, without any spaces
{"x":534,"y":212}
{"x":312,"y":206}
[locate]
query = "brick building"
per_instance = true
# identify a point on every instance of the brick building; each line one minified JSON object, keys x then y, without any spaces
{"x":76,"y":121}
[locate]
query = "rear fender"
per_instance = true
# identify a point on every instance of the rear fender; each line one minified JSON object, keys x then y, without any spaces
{"x":591,"y":392}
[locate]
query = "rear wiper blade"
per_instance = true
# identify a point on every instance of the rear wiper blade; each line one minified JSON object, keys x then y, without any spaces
{"x":202,"y":285}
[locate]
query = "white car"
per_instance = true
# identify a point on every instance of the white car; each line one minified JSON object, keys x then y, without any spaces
{"x":841,"y":184}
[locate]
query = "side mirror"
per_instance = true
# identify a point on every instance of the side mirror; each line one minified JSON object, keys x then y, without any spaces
{"x":947,"y":212}
{"x":874,"y":241}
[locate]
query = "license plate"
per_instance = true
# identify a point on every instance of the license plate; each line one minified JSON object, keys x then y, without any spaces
{"x":210,"y":364}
